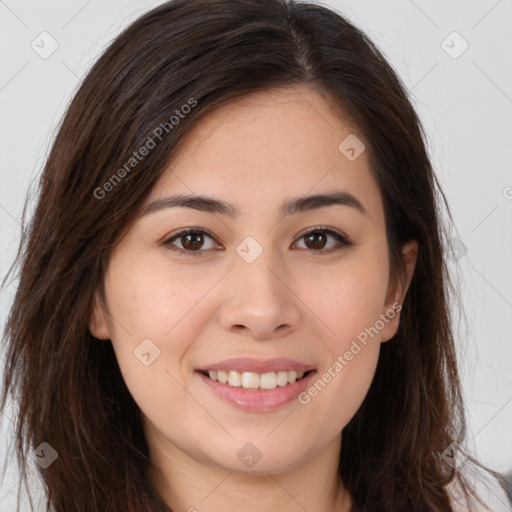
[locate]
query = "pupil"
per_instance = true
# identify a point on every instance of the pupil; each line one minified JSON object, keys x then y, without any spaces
{"x":193,"y":245}
{"x":316,"y":242}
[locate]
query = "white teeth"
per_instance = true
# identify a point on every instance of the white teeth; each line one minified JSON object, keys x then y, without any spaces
{"x":235,"y":379}
{"x":268,"y":380}
{"x":252,"y":380}
{"x":282,"y":378}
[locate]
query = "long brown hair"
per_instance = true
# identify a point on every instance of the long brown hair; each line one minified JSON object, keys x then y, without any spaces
{"x":203,"y":54}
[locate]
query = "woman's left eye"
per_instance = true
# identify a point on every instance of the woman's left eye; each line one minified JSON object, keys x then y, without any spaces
{"x":319,"y":236}
{"x":192,"y":241}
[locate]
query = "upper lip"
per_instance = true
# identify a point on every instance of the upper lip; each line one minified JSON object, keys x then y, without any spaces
{"x":247,"y":364}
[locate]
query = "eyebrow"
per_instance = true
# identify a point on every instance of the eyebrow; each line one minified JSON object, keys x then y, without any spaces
{"x":295,"y":205}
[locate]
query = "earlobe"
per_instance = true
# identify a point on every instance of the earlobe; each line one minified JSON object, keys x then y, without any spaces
{"x":394,"y":301}
{"x":98,"y":325}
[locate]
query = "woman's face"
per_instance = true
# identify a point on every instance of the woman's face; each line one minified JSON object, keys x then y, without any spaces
{"x":254,"y":296}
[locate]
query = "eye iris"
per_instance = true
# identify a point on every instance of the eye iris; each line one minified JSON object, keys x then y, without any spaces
{"x":197,"y":241}
{"x":315,"y":237}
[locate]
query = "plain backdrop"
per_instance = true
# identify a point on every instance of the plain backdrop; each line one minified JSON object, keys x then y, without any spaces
{"x":455,"y":58}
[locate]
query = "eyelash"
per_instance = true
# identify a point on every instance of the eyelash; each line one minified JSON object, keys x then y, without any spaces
{"x":320,"y":229}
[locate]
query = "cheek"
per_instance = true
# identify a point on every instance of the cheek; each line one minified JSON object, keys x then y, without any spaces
{"x":350,"y":305}
{"x":155,"y":313}
{"x":342,"y":383}
{"x":149,"y":311}
{"x":349,"y":300}
{"x":347,"y":386}
{"x":151,"y":299}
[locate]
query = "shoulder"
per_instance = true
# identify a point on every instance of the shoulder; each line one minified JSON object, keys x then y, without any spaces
{"x":487,"y":488}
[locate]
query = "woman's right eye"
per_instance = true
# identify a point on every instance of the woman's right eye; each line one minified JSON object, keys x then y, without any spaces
{"x":191,"y":240}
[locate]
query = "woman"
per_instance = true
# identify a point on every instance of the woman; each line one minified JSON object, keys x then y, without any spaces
{"x":233,"y":293}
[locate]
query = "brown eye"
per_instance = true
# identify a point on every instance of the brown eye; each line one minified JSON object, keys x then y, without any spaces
{"x":316,"y":240}
{"x":190,"y":241}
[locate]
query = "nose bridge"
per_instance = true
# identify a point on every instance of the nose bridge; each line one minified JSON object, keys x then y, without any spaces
{"x":256,"y":267}
{"x":258,"y":298}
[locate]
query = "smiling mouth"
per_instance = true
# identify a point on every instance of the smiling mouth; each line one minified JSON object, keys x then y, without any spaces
{"x":255,"y":381}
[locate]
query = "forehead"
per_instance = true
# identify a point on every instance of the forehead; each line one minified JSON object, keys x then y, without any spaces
{"x":280,"y":124}
{"x":270,"y":145}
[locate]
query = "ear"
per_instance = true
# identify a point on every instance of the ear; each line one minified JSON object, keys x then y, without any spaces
{"x":98,"y":325}
{"x":396,"y":294}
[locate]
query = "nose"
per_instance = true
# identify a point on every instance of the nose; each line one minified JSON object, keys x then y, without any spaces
{"x":258,"y":300}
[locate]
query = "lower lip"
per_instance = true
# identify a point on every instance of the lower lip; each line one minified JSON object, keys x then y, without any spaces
{"x":256,"y":400}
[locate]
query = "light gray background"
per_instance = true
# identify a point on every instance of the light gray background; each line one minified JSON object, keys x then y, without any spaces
{"x":465,"y":104}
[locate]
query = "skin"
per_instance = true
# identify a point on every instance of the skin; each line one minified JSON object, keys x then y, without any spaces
{"x":293,"y":301}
